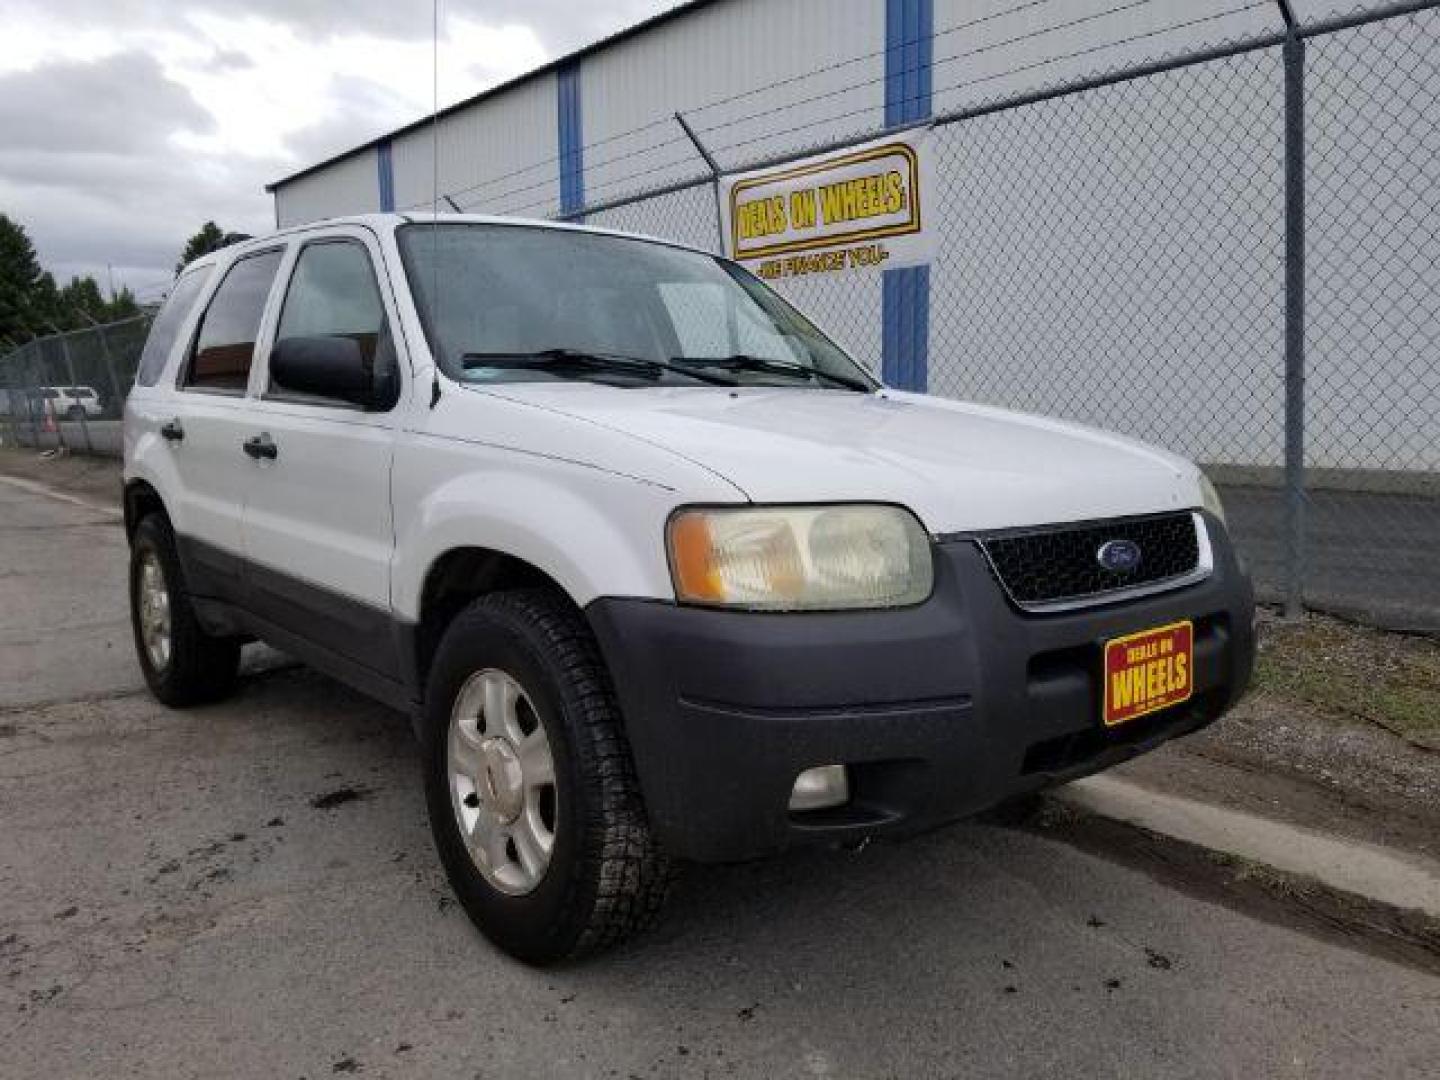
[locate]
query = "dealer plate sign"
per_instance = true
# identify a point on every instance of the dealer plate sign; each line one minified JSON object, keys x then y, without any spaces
{"x":1147,"y":671}
{"x":866,"y":207}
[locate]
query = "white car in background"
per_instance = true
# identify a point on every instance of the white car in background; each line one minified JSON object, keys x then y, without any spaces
{"x":657,"y":569}
{"x":71,"y":402}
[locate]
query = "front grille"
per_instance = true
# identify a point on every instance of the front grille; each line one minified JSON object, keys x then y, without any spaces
{"x":1060,"y":564}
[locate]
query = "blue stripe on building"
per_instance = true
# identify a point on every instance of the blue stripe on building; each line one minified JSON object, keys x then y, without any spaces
{"x":386,"y":170}
{"x":909,"y":53}
{"x":571,"y":139}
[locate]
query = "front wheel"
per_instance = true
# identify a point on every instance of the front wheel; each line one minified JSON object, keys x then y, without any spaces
{"x":532,"y":794}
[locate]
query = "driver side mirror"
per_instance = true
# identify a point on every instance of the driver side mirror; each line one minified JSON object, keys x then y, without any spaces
{"x":335,"y":367}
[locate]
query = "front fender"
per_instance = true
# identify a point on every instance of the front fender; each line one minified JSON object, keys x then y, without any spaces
{"x":595,"y":532}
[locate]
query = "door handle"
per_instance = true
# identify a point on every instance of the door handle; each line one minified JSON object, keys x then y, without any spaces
{"x":172,"y":431}
{"x":261,"y":446}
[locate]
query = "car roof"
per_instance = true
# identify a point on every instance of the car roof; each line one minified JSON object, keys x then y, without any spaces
{"x":388,"y":222}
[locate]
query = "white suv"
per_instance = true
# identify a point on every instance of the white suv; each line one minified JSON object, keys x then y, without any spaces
{"x":70,"y":402}
{"x":657,"y":569}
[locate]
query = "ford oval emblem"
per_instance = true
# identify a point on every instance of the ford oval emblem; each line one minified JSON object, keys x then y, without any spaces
{"x":1119,"y":556}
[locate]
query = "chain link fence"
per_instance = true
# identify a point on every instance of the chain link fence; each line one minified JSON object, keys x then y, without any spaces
{"x":1234,"y":255}
{"x":1116,"y":253}
{"x":68,"y":390}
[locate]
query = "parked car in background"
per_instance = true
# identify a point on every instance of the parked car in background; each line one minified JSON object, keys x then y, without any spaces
{"x":69,"y":402}
{"x":656,"y":568}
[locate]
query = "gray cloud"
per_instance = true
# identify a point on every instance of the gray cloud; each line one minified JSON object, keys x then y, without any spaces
{"x":88,"y":164}
{"x":231,"y":60}
{"x":120,"y":103}
{"x":365,"y":110}
{"x":88,"y":158}
{"x":561,"y":24}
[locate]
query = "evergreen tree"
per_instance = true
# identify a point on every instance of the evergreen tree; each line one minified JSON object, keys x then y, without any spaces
{"x":20,"y":277}
{"x":210,"y":238}
{"x":32,"y":305}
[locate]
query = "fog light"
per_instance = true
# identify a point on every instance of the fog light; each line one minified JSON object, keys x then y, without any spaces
{"x":822,"y":786}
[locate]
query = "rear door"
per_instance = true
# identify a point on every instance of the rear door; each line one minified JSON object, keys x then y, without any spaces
{"x":207,"y":429}
{"x":318,"y":526}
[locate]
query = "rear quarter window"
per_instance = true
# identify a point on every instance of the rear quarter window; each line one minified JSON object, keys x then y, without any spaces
{"x":166,"y":328}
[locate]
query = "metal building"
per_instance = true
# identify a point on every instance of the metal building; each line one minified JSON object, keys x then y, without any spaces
{"x":1115,"y":203}
{"x":755,"y":79}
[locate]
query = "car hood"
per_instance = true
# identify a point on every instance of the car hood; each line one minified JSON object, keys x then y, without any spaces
{"x":958,"y":466}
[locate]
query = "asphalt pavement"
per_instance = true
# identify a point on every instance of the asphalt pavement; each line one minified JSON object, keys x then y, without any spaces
{"x":249,"y":889}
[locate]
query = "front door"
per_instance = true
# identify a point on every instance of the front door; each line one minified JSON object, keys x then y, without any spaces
{"x":318,"y":527}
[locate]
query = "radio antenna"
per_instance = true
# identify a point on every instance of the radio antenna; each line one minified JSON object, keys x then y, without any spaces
{"x":435,"y":203}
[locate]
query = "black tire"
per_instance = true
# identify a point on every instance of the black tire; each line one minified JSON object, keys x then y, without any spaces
{"x":201,"y":668}
{"x":607,"y":878}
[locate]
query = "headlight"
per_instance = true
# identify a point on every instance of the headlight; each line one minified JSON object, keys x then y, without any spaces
{"x":800,"y":558}
{"x":1210,"y":498}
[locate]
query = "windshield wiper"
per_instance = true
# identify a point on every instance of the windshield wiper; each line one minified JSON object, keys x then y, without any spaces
{"x":585,"y":360}
{"x":750,"y":362}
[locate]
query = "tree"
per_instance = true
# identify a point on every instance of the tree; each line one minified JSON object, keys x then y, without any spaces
{"x":32,"y":305}
{"x":209,"y":238}
{"x":123,"y":305}
{"x":81,"y":299}
{"x":20,"y":279}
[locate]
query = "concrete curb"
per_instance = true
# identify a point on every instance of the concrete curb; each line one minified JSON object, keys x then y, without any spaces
{"x":1383,"y":875}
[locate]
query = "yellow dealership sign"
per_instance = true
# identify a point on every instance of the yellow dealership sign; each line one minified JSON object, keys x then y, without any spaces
{"x":860,"y":208}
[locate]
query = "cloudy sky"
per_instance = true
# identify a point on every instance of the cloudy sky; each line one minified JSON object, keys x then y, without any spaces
{"x":124,"y":124}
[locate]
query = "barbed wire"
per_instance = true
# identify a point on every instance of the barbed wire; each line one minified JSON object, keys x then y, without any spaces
{"x":951,"y":88}
{"x":755,"y":90}
{"x":613,"y":183}
{"x":616,"y":182}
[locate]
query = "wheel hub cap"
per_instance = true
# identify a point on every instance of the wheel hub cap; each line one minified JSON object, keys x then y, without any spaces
{"x":502,"y":781}
{"x":154,"y":605}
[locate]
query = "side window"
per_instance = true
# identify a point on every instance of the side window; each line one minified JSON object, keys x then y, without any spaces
{"x":166,"y":327}
{"x":333,"y":294}
{"x":226,"y":342}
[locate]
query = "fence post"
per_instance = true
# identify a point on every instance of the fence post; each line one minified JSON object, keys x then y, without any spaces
{"x":117,"y":395}
{"x":714,"y":167}
{"x":1294,"y":63}
{"x":30,"y":400}
{"x":70,"y":374}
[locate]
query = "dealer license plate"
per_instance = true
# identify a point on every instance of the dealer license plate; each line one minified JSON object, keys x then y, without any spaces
{"x":1147,"y":671}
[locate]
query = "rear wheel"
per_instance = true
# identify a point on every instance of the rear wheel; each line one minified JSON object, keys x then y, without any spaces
{"x":532,"y":795}
{"x":182,"y":664}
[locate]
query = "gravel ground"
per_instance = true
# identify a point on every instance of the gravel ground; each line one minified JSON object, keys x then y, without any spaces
{"x":1340,"y":731}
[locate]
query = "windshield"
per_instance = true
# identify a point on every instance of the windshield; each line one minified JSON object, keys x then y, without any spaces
{"x":518,"y":303}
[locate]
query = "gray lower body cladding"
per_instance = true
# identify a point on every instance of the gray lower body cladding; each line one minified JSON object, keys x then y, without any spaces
{"x":939,"y":710}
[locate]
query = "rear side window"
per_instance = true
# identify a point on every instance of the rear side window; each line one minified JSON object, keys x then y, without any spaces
{"x":225,"y":345}
{"x":166,"y":327}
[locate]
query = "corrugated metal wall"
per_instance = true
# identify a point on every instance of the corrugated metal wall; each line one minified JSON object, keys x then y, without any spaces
{"x":350,"y":186}
{"x":729,"y":51}
{"x":500,"y":154}
{"x":989,"y":49}
{"x":1088,"y":242}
